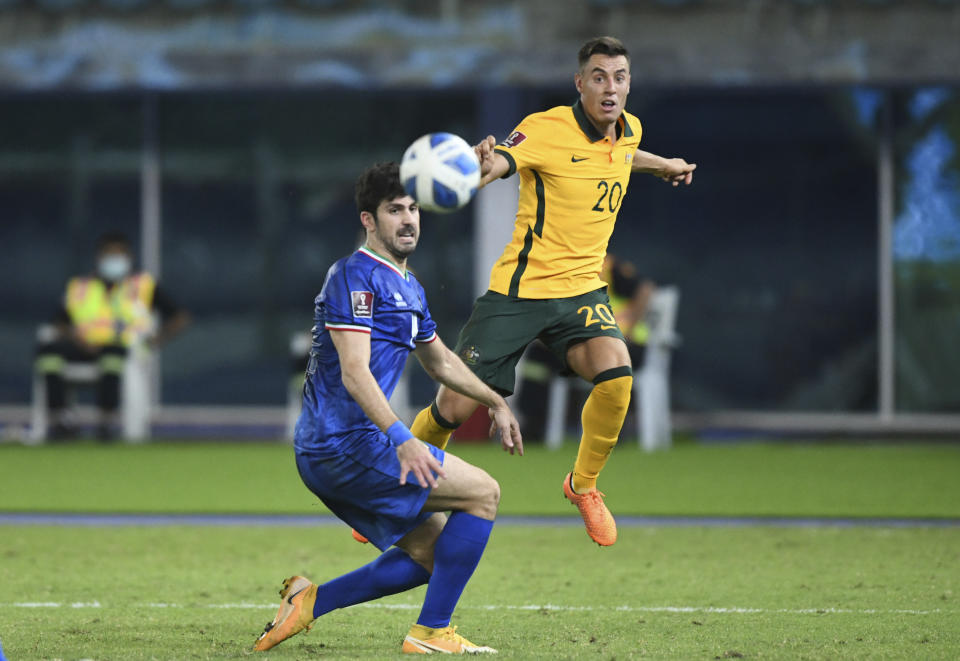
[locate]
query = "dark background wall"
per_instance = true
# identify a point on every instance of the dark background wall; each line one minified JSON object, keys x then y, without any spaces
{"x":267,"y":110}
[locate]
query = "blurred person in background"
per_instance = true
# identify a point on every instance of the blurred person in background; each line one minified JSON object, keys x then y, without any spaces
{"x":630,"y":296}
{"x":574,"y":164}
{"x":104,"y":315}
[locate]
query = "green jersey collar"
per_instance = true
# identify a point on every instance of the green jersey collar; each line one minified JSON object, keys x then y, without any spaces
{"x":623,"y":126}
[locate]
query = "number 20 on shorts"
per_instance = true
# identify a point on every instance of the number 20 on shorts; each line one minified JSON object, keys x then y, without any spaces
{"x":606,"y":318}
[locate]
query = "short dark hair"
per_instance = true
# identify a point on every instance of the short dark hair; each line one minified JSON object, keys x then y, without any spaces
{"x":113,"y":238}
{"x":602,"y":46}
{"x":379,"y":182}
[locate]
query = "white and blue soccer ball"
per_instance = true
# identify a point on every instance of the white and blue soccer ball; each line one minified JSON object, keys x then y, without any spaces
{"x":440,"y":171}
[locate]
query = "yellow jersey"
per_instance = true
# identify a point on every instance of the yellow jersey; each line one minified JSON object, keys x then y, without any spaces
{"x":572,"y":181}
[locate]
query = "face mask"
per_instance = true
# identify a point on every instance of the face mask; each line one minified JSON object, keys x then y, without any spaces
{"x":114,"y":267}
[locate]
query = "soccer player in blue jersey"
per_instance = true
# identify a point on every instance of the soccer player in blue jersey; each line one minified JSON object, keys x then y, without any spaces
{"x":356,"y":455}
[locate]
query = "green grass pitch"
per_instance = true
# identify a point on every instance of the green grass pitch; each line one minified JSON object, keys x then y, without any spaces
{"x":544,"y":591}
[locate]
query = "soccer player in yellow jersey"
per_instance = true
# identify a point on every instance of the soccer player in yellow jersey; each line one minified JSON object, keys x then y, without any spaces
{"x":574,"y":165}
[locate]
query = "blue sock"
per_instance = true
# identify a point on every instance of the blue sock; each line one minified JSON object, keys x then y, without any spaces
{"x":455,"y":556}
{"x":394,"y":571}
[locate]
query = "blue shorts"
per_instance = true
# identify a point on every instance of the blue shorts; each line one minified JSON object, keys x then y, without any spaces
{"x":359,"y":481}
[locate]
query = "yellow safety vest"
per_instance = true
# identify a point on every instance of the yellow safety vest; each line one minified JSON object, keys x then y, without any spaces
{"x":118,"y":315}
{"x":639,"y":332}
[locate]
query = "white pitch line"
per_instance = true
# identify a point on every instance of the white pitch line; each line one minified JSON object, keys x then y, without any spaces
{"x":720,"y":610}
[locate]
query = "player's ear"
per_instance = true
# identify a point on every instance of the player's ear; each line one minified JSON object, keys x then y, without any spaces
{"x":367,"y":220}
{"x":578,"y":82}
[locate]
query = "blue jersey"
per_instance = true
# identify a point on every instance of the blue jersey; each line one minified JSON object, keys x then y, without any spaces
{"x":363,"y":293}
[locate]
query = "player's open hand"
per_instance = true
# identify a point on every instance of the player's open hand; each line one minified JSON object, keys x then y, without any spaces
{"x":677,"y":171}
{"x":504,"y":424}
{"x":484,"y":152}
{"x":416,"y":458}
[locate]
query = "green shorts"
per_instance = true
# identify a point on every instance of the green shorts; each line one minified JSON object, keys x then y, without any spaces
{"x":500,"y":328}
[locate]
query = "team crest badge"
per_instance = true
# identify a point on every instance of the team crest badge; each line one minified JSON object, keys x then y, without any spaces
{"x":362,"y":303}
{"x":514,"y":139}
{"x":470,"y":355}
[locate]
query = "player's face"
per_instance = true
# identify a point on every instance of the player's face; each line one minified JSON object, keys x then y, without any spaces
{"x":604,"y":83}
{"x":398,"y":226}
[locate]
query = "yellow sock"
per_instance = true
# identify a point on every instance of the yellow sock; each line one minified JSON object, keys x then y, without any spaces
{"x":428,"y":429}
{"x":602,"y":418}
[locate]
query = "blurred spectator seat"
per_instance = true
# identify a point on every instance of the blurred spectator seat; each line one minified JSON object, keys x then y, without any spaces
{"x":135,"y":391}
{"x":651,"y":383}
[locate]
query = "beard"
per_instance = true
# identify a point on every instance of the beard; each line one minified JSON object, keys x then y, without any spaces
{"x":395,"y":248}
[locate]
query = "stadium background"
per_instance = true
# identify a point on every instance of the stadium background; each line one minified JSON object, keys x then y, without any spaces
{"x":818,"y":253}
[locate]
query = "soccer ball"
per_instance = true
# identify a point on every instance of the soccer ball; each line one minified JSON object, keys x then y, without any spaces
{"x":440,"y":171}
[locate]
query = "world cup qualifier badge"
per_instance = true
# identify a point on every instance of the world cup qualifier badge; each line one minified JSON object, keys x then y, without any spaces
{"x":470,"y":355}
{"x":362,"y":303}
{"x":513,"y":139}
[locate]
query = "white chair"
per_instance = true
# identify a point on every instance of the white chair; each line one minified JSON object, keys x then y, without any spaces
{"x":651,"y":383}
{"x":135,"y":391}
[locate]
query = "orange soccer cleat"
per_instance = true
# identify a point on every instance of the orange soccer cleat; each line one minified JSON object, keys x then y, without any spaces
{"x":295,"y":614}
{"x":596,"y":517}
{"x":360,"y":538}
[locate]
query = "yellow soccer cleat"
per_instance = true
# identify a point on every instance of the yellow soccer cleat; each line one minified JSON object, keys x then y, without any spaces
{"x":599,"y":521}
{"x":295,"y":614}
{"x":424,"y":640}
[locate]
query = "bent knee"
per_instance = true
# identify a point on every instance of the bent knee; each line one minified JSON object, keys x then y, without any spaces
{"x":487,"y":498}
{"x":454,"y":407}
{"x":494,"y":494}
{"x":422,"y":554}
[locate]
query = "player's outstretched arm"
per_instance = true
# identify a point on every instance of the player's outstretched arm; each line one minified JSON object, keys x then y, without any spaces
{"x":353,"y":350}
{"x":492,"y":165}
{"x":675,"y":170}
{"x":446,"y":367}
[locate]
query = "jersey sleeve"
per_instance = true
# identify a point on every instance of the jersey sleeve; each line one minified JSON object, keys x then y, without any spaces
{"x":347,"y":300}
{"x":524,"y":147}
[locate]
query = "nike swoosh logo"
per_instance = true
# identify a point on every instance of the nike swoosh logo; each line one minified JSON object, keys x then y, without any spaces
{"x":574,"y":159}
{"x":290,"y":598}
{"x":602,"y":327}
